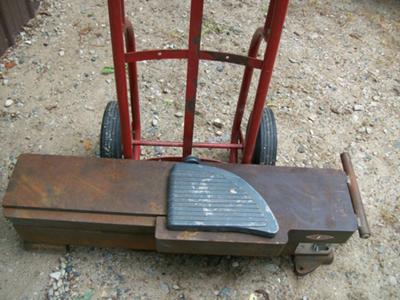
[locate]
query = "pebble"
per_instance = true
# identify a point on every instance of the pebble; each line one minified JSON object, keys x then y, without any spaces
{"x":158,"y":150}
{"x":225,"y":293}
{"x":259,"y":295}
{"x":50,"y":292}
{"x":164,"y":287}
{"x":376,"y":98}
{"x":218,"y":123}
{"x":89,"y":108}
{"x":178,"y":114}
{"x":235,"y":264}
{"x":312,"y":118}
{"x":301,"y":149}
{"x":337,"y":110}
{"x":380,"y":249}
{"x":354,"y":119}
{"x":392,"y":280}
{"x":56,"y":275}
{"x":220,"y":68}
{"x":8,"y":103}
{"x":358,"y":107}
{"x":218,"y":133}
{"x":272,"y":268}
{"x":61,"y":53}
{"x":154,"y":122}
{"x":362,"y":130}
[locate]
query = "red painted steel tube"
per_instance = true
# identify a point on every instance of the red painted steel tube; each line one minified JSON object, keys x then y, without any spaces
{"x":268,"y":19}
{"x":134,"y":89}
{"x":244,"y":91}
{"x":204,"y":55}
{"x":196,"y":16}
{"x":179,"y":158}
{"x":180,"y":144}
{"x":231,"y":58}
{"x":156,"y":55}
{"x":122,"y":9}
{"x":277,"y":21}
{"x":117,"y":28}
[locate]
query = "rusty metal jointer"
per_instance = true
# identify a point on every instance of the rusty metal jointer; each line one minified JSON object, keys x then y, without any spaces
{"x":363,"y":227}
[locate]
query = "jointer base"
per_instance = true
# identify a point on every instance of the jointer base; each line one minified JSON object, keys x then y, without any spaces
{"x":61,"y":200}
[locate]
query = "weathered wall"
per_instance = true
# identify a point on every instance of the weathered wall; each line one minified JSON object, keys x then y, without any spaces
{"x":13,"y":15}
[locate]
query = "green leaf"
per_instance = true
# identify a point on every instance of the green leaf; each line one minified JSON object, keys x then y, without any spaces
{"x":87,"y":296}
{"x":107,"y":70}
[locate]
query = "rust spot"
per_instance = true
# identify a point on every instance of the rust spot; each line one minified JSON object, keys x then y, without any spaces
{"x":319,"y":237}
{"x":191,"y":105}
{"x":154,"y":206}
{"x":188,"y":235}
{"x":90,"y":185}
{"x":196,"y":40}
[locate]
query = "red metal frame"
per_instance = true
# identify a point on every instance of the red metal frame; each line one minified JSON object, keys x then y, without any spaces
{"x":124,"y":52}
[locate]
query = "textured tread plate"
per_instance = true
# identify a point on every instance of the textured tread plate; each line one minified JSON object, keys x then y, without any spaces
{"x":211,"y":199}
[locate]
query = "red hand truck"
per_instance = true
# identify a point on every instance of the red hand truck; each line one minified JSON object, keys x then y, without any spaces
{"x":124,"y":52}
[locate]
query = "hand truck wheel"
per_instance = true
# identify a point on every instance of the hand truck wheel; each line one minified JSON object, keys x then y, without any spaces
{"x":110,"y":136}
{"x":266,"y":146}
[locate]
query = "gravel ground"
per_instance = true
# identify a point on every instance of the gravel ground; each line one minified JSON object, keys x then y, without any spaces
{"x":336,"y":87}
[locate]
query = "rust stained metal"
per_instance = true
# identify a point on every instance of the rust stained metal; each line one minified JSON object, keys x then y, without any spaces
{"x":214,"y":243}
{"x":319,"y":237}
{"x":88,"y":184}
{"x":25,"y":215}
{"x":231,"y":58}
{"x":308,"y":257}
{"x":100,"y":238}
{"x":122,"y":203}
{"x":363,"y":227}
{"x":301,"y":198}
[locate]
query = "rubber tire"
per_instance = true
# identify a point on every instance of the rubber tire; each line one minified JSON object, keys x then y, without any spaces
{"x":266,"y":147}
{"x":191,"y":159}
{"x":110,"y":135}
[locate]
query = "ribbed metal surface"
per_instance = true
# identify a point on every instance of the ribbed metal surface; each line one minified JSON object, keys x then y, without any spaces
{"x":208,"y":198}
{"x":13,"y":15}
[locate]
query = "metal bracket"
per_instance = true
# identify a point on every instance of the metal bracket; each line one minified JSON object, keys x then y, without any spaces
{"x":308,"y":257}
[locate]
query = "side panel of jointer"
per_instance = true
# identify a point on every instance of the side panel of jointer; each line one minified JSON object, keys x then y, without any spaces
{"x":83,"y":229}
